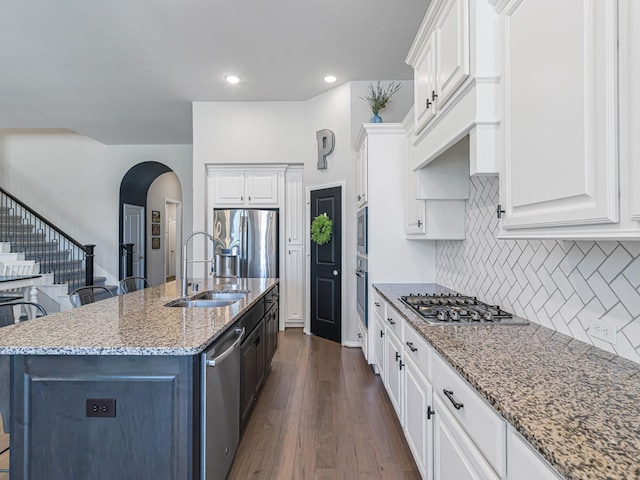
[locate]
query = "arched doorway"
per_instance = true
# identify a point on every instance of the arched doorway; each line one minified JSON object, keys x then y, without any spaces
{"x":144,"y":191}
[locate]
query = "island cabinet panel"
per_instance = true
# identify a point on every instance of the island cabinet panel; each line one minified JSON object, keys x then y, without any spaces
{"x":57,"y":434}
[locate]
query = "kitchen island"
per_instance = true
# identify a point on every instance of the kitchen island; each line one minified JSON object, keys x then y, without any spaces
{"x":113,"y":389}
{"x":577,"y":405}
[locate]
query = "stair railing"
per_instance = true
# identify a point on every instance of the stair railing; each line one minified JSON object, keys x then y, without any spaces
{"x":57,"y":252}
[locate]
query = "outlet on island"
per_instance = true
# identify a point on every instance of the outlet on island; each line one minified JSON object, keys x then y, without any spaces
{"x":101,"y":407}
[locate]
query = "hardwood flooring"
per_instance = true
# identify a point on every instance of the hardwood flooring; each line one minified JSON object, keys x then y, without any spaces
{"x":322,"y":414}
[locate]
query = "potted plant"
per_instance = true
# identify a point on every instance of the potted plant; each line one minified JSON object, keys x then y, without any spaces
{"x":378,"y":98}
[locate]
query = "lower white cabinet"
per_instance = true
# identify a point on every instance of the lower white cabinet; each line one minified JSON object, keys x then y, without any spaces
{"x":454,"y":454}
{"x":453,"y":433}
{"x":418,"y":417}
{"x":362,"y":338}
{"x":294,"y":285}
{"x":524,"y":463}
{"x":378,"y":342}
{"x":394,"y":371}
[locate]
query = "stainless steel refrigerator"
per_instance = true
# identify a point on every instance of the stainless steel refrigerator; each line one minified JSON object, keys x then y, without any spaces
{"x":246,"y":241}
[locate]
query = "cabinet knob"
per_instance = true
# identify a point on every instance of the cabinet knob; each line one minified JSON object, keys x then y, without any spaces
{"x":397,"y":356}
{"x":381,"y":333}
{"x":428,"y":103}
{"x":430,"y":412}
{"x":401,"y":365}
{"x":249,"y":197}
{"x":434,"y":95}
{"x":241,"y":198}
{"x":419,"y":223}
{"x":391,"y":321}
{"x":376,"y":304}
{"x":411,"y":347}
{"x":359,"y":335}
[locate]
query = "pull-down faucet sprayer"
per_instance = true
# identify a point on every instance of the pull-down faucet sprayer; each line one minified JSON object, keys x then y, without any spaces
{"x":184,"y":257}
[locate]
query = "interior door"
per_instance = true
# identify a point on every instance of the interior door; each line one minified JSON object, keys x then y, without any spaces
{"x":133,"y":232}
{"x":326,"y":268}
{"x":171,"y":246}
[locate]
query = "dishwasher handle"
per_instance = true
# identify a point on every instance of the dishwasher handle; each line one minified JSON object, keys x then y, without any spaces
{"x":227,"y":352}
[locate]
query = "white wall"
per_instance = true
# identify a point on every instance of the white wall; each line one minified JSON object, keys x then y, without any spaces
{"x":74,"y":182}
{"x":285,"y":133}
{"x":165,"y":187}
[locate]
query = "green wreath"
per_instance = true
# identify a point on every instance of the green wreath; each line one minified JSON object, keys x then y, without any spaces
{"x":321,"y":229}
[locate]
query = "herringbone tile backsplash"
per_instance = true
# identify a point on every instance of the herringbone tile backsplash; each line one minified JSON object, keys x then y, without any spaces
{"x":563,"y":285}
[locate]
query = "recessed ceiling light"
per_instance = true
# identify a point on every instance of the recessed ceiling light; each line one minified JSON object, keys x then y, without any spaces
{"x":232,"y":79}
{"x":330,"y":78}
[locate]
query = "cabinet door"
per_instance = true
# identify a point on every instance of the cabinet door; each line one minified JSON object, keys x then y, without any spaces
{"x":394,"y":371}
{"x":452,"y":49}
{"x":425,"y":84}
{"x":378,"y":345}
{"x":524,"y":463}
{"x":228,"y":188}
{"x":560,"y":114}
{"x":272,"y":333}
{"x":261,"y":354}
{"x":454,"y":455}
{"x":418,"y":419}
{"x":262,"y":188}
{"x":295,"y":211}
{"x":415,"y":211}
{"x":295,"y":283}
{"x":247,"y":377}
{"x":361,"y":173}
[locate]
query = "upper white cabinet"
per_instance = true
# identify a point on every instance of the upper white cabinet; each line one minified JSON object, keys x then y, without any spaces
{"x":246,"y":187}
{"x":456,"y":82}
{"x":568,"y":168}
{"x":295,"y":206}
{"x":560,"y":135}
{"x":442,"y":63}
{"x":362,"y":161}
{"x":435,"y":195}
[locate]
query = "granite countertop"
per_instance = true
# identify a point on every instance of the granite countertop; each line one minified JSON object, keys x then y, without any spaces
{"x":578,"y":405}
{"x":137,"y":323}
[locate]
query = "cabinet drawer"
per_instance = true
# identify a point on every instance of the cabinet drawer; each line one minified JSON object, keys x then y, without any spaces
{"x":394,"y":321}
{"x":484,"y":426}
{"x":362,"y":338}
{"x":378,"y":304}
{"x":417,"y":348}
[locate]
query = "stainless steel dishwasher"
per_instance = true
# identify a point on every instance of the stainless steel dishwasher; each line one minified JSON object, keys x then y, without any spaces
{"x":221,"y":405}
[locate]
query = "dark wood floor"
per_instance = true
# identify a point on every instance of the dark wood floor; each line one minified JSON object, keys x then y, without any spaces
{"x":322,"y":414}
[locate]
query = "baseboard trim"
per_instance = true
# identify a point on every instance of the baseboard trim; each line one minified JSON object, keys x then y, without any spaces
{"x":294,"y":324}
{"x":351,"y":344}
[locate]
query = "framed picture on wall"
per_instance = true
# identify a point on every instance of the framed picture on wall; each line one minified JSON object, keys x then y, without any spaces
{"x":155,"y":229}
{"x":155,"y":216}
{"x":155,"y":243}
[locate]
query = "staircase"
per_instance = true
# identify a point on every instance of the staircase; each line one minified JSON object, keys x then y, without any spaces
{"x":25,"y":235}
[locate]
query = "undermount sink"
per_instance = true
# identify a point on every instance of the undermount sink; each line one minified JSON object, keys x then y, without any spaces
{"x":209,"y":299}
{"x":216,"y":295}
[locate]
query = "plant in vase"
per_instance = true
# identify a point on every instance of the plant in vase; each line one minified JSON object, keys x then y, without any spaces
{"x":379,"y":97}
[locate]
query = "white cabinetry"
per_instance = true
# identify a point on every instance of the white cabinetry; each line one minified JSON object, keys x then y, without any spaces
{"x":295,"y":206}
{"x":453,"y":433}
{"x":294,"y":282}
{"x":454,"y":455}
{"x":561,"y":124}
{"x":394,"y":380}
{"x":418,"y":413}
{"x":435,"y":195}
{"x":380,"y":152}
{"x":295,"y":261}
{"x":362,"y":161}
{"x":456,"y":81}
{"x":240,"y":188}
{"x":524,"y":463}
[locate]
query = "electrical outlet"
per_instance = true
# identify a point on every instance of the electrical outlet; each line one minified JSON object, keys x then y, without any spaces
{"x":604,"y":330}
{"x":101,"y":407}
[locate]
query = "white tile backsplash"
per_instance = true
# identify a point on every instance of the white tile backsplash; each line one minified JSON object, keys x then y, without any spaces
{"x":563,"y":285}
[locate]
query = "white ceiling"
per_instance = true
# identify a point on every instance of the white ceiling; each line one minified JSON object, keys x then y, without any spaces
{"x":126,"y":71}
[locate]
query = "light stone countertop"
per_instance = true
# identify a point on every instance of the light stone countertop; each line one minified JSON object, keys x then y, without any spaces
{"x":137,"y":323}
{"x":578,"y":405}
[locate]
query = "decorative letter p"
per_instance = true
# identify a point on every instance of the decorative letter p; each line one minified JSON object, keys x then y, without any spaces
{"x":326,"y":141}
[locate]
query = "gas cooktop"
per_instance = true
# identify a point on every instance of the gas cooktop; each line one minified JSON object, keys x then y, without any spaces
{"x":456,"y":309}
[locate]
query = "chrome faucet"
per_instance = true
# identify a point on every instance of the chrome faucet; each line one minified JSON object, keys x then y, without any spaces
{"x":184,"y":258}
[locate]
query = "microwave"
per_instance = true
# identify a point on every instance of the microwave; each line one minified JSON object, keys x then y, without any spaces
{"x":363,"y":215}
